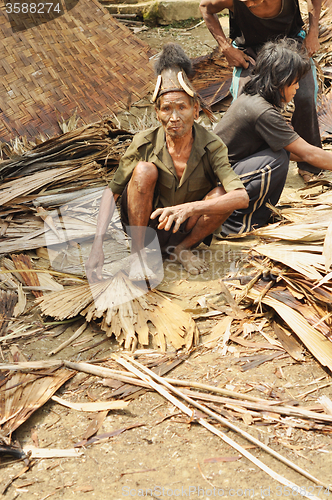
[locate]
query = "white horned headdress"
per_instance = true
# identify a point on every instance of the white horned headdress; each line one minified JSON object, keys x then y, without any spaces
{"x":173,"y":68}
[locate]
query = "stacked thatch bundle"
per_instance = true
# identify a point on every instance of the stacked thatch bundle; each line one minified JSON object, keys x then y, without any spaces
{"x":74,"y":166}
{"x":293,"y":275}
{"x":213,"y":77}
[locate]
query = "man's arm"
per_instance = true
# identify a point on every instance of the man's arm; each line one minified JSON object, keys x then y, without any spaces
{"x":209,"y":10}
{"x":95,"y":261}
{"x":225,"y":204}
{"x":304,"y":151}
{"x":311,"y":41}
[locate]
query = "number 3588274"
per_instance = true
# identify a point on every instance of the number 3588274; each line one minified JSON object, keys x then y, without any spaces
{"x":33,"y":8}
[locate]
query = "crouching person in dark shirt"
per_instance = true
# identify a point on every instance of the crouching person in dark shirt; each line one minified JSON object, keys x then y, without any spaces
{"x":260,"y":141}
{"x":168,"y":178}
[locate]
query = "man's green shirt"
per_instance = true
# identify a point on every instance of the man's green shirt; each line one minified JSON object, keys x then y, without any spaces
{"x":208,"y":163}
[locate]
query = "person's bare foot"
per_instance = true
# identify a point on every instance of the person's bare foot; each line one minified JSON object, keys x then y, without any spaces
{"x":307,"y":176}
{"x":191,"y":263}
{"x":139,"y":269}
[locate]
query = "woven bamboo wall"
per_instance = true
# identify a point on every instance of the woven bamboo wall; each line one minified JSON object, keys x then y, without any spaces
{"x":53,"y":63}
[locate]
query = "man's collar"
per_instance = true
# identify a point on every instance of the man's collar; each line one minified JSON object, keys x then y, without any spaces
{"x":202,"y":138}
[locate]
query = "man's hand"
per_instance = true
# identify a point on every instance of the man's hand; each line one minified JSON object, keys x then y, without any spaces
{"x":311,"y":43}
{"x":235,"y":57}
{"x":177,"y":214}
{"x":94,"y":264}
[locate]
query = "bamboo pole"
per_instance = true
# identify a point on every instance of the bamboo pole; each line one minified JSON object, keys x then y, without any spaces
{"x":247,"y":401}
{"x":149,"y":375}
{"x":108,"y":372}
{"x":250,"y":402}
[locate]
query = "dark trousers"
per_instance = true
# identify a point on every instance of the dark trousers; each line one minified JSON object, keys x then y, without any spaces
{"x":167,"y":239}
{"x":304,"y":120}
{"x":263,"y":175}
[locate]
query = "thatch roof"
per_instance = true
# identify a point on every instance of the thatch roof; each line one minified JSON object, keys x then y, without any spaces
{"x":53,"y":63}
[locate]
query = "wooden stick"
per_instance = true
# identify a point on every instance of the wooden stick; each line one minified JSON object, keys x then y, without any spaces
{"x":239,"y":313}
{"x":282,"y":410}
{"x":31,"y":365}
{"x":243,"y":293}
{"x":253,"y":404}
{"x":108,"y":372}
{"x":301,"y":396}
{"x":128,"y":364}
{"x":250,"y":402}
{"x":69,"y":341}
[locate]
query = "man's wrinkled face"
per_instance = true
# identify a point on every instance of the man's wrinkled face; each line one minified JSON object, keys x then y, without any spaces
{"x":176,"y":113}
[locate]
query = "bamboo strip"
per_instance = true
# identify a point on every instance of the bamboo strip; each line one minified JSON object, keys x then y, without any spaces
{"x":100,"y":371}
{"x":31,"y":365}
{"x":67,"y":342}
{"x":254,"y":404}
{"x":282,"y":410}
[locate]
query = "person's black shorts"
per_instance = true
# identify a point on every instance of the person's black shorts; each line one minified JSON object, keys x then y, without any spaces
{"x":167,"y":239}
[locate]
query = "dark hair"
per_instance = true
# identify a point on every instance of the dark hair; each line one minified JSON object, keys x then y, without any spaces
{"x":173,"y":55}
{"x":279,"y":64}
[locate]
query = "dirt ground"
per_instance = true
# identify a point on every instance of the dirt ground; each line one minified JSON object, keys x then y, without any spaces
{"x":168,"y":456}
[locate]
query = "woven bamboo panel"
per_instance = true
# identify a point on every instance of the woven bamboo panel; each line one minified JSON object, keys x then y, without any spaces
{"x":54,"y":62}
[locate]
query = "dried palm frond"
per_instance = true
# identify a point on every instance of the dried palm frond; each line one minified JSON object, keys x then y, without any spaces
{"x":314,"y":340}
{"x":312,"y":231}
{"x":75,"y":166}
{"x":23,"y":393}
{"x":128,"y":312}
{"x":25,"y":185}
{"x":8,"y":300}
{"x":23,"y":262}
{"x":324,"y":114}
{"x":70,"y":124}
{"x":310,"y":264}
{"x":304,"y":214}
{"x":327,"y":250}
{"x":213,"y":77}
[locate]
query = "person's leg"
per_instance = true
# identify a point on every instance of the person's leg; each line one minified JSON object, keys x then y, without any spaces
{"x":263,"y":175}
{"x":140,"y":194}
{"x":241,"y":75}
{"x":200,"y":227}
{"x":304,"y":120}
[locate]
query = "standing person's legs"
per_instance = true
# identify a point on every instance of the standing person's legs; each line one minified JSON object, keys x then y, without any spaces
{"x":263,"y":175}
{"x":241,"y":75}
{"x":304,"y":120}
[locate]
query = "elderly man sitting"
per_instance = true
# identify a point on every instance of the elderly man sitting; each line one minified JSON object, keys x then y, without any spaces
{"x":175,"y":178}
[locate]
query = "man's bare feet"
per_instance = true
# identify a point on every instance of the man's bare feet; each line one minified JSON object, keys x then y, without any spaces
{"x":191,"y":263}
{"x":139,"y":270}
